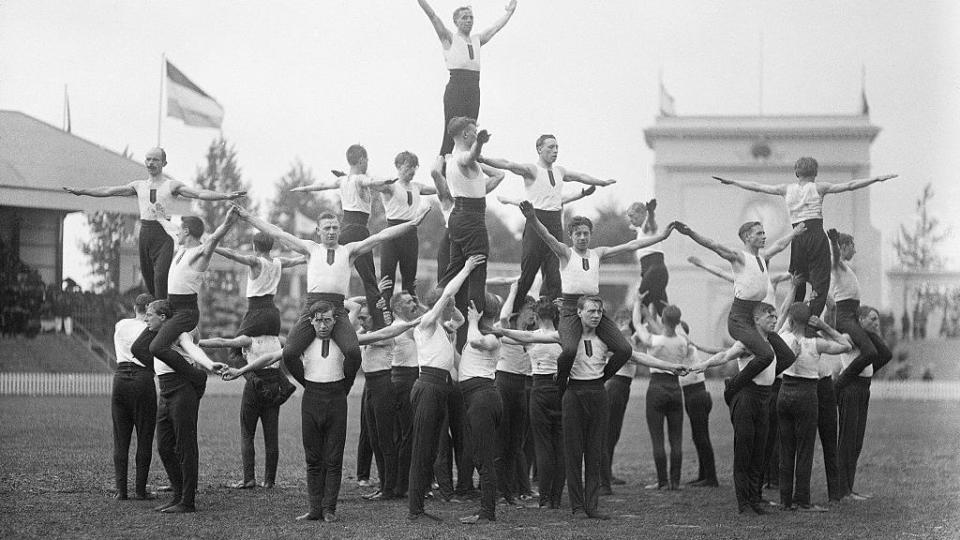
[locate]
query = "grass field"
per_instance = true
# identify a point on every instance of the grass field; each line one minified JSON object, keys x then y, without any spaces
{"x":56,"y":479}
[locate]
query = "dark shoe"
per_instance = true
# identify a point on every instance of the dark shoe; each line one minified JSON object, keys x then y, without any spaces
{"x":120,"y":496}
{"x":655,"y":485}
{"x":673,"y":487}
{"x":606,"y":490}
{"x":706,"y":483}
{"x":476,"y":519}
{"x":810,"y":508}
{"x":597,"y":515}
{"x":244,"y":484}
{"x":144,"y":497}
{"x":330,"y":517}
{"x":310,"y":516}
{"x":168,"y":504}
{"x":758,"y":509}
{"x":696,"y":482}
{"x":617,"y":481}
{"x":179,"y":509}
{"x":267,"y":485}
{"x":423,"y":516}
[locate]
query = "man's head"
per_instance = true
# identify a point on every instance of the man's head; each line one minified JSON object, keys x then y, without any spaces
{"x":463,"y":130}
{"x":580,"y":230}
{"x":623,"y":317}
{"x":637,"y":214}
{"x":407,"y":164}
{"x":547,"y":148}
{"x":547,"y":311}
{"x":463,"y":19}
{"x":141,"y":302}
{"x":799,"y":314}
{"x":404,"y":305}
{"x":328,"y":229}
{"x":752,"y":234}
{"x":190,"y":227}
{"x":157,"y":312}
{"x":805,"y":167}
{"x":491,"y":308}
{"x":848,"y":247}
{"x":869,"y":319}
{"x":357,"y":156}
{"x":155,"y":160}
{"x":262,"y":242}
{"x":671,"y":316}
{"x":765,"y":318}
{"x":590,"y":311}
{"x":322,"y":318}
{"x":363,"y":317}
{"x":527,"y":314}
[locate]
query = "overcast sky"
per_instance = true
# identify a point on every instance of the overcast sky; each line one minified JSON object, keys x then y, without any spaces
{"x":307,"y":79}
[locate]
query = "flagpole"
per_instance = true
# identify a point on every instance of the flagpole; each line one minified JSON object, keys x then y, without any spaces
{"x":163,"y":72}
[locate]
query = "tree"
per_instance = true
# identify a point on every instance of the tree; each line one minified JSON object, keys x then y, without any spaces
{"x":107,"y":231}
{"x":284,"y":206}
{"x":919,"y":251}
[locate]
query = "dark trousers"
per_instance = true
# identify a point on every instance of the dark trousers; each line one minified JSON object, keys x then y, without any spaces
{"x":365,"y":451}
{"x":381,"y":404}
{"x":536,"y":256}
{"x":653,"y":281}
{"x":873,"y":351}
{"x":749,"y":415}
{"x":133,"y":405}
{"x":512,"y":433}
{"x":797,"y":418}
{"x":484,"y":412}
{"x":665,"y":403}
{"x":810,"y":258}
{"x":854,"y":402}
{"x":571,"y":332}
{"x":827,"y":428}
{"x":403,"y":379}
{"x":302,"y":335}
{"x":443,"y":255}
{"x":402,"y":252}
{"x":185,"y":317}
{"x":547,"y":426}
{"x":262,"y":318}
{"x":156,"y":254}
{"x":771,"y":452}
{"x":323,"y":420}
{"x":177,"y":435}
{"x":618,"y":393}
{"x":461,"y":97}
{"x":253,"y":409}
{"x":586,"y":411}
{"x":428,"y":399}
{"x":772,"y":348}
{"x":355,"y":230}
{"x":468,"y":236}
{"x":697,"y":402}
{"x":454,"y":448}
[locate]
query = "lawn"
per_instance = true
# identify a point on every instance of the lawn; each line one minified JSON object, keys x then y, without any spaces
{"x":56,"y":479}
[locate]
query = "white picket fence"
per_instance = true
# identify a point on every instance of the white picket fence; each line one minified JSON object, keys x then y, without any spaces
{"x":101,"y":384}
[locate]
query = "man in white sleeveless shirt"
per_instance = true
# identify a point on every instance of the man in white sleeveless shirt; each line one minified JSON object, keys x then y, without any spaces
{"x":154,"y":196}
{"x":810,"y":253}
{"x":543,"y":181}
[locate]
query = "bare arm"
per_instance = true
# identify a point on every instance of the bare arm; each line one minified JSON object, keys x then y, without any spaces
{"x":106,"y":191}
{"x":521,"y":169}
{"x":455,"y":321}
{"x":387,"y":332}
{"x":186,"y":342}
{"x":260,"y":362}
{"x":782,"y":243}
{"x":584,"y":178}
{"x":633,"y":245}
{"x":179,"y":188}
{"x":467,"y":159}
{"x":289,"y":262}
{"x":488,"y":34}
{"x":645,"y":359}
{"x":426,"y":190}
{"x":721,"y":250}
{"x":556,"y":246}
{"x":835,"y":342}
{"x":577,"y":195}
{"x":476,"y":339}
{"x":236,"y":256}
{"x":776,"y":189}
{"x":720,"y":358}
{"x":322,"y":185}
{"x":524,"y":336}
{"x":438,"y":26}
{"x":430,"y":318}
{"x":222,"y":343}
{"x":711,"y":268}
{"x":297,"y":244}
{"x":507,"y":309}
{"x":439,"y":181}
{"x":388,"y":233}
{"x":494,"y":177}
{"x":853,"y":185}
{"x":213,"y":241}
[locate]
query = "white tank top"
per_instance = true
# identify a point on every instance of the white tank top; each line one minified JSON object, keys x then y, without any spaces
{"x":807,"y":364}
{"x":844,"y":284}
{"x":183,"y":278}
{"x":581,"y":275}
{"x":435,"y":351}
{"x":267,"y":280}
{"x":154,"y":200}
{"x":125,"y":332}
{"x":804,"y":202}
{"x":260,"y":346}
{"x":400,"y":202}
{"x":161,"y":368}
{"x":543,"y":357}
{"x":628,"y":370}
{"x":765,"y":377}
{"x":324,"y":276}
{"x":478,"y":363}
{"x":847,"y":358}
{"x":320,"y":367}
{"x":377,"y":357}
{"x":693,"y":356}
{"x":513,"y":359}
{"x":544,"y":194}
{"x":354,"y":197}
{"x":752,"y":281}
{"x":590,"y":360}
{"x":405,"y":350}
{"x":669,"y":349}
{"x":463,"y":54}
{"x":643,"y":252}
{"x":473,"y":185}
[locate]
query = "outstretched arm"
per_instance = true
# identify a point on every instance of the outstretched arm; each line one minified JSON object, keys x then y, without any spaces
{"x":260,"y":362}
{"x":645,"y":359}
{"x":833,"y":342}
{"x":179,"y":188}
{"x":106,"y":191}
{"x":584,"y":178}
{"x":525,"y":170}
{"x":387,"y":332}
{"x":236,"y":256}
{"x":442,"y":32}
{"x":322,"y":185}
{"x":577,"y":195}
{"x":525,"y":336}
{"x":430,"y":318}
{"x":782,"y":243}
{"x":635,"y":244}
{"x":439,"y":181}
{"x":222,"y":343}
{"x":488,"y":34}
{"x":720,"y":358}
{"x":297,"y":244}
{"x":494,"y":177}
{"x":388,"y":233}
{"x":711,"y":268}
{"x":186,"y":342}
{"x":556,"y":246}
{"x":714,"y":246}
{"x":289,"y":262}
{"x":467,"y":159}
{"x":214,"y":239}
{"x":853,"y":185}
{"x":776,"y":189}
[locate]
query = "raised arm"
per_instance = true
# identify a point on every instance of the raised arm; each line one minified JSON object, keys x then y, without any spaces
{"x":430,"y":318}
{"x":577,"y":195}
{"x":322,"y":185}
{"x":584,"y":178}
{"x":467,"y":159}
{"x":211,"y":243}
{"x":714,"y":246}
{"x":494,"y":177}
{"x":290,"y":262}
{"x":442,"y":32}
{"x":507,"y":309}
{"x":525,"y":170}
{"x":476,"y":339}
{"x":650,"y":225}
{"x":559,"y":248}
{"x":853,"y":185}
{"x":388,"y":233}
{"x":387,"y":332}
{"x":243,"y":258}
{"x":181,"y":189}
{"x":635,"y":244}
{"x":297,"y":244}
{"x":776,"y":189}
{"x":439,"y":181}
{"x":782,"y":243}
{"x":488,"y":34}
{"x":711,"y":268}
{"x":125,"y":190}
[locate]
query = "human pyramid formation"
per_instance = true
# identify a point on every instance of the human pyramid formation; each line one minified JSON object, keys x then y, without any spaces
{"x":459,"y":371}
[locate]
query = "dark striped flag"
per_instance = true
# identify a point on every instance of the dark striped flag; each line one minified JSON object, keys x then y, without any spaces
{"x":186,"y":101}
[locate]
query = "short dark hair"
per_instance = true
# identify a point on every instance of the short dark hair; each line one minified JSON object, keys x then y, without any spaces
{"x":396,"y":299}
{"x":577,"y":221}
{"x":864,"y":311}
{"x":491,"y":308}
{"x":543,"y":138}
{"x":406,"y":157}
{"x":762,"y":308}
{"x":141,"y":302}
{"x":459,"y":10}
{"x":457,"y":124}
{"x":355,"y":153}
{"x":589,"y":298}
{"x":671,"y":316}
{"x":746,"y":228}
{"x":319,"y":307}
{"x":161,"y":307}
{"x":799,"y":314}
{"x":547,"y":310}
{"x":194,"y":225}
{"x":262,"y":242}
{"x":805,"y":167}
{"x":432,"y":296}
{"x":328,"y":215}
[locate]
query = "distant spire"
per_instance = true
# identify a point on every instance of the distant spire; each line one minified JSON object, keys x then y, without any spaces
{"x":864,"y":106}
{"x":666,"y":100}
